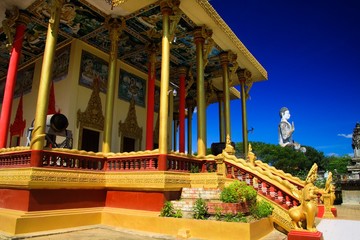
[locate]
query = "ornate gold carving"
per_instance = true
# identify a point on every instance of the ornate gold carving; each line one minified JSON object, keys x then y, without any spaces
{"x":115,"y":26}
{"x":50,"y":178}
{"x":115,"y":3}
{"x":55,"y":11}
{"x":8,"y":22}
{"x":146,"y":180}
{"x":229,"y":148}
{"x":303,"y":216}
{"x":206,"y":180}
{"x":222,"y":24}
{"x":93,"y":116}
{"x":251,"y":156}
{"x":130,"y":127}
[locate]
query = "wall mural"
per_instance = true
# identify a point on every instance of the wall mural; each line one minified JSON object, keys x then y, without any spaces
{"x":132,"y":87}
{"x":93,"y":67}
{"x":24,"y":80}
{"x":61,"y":64}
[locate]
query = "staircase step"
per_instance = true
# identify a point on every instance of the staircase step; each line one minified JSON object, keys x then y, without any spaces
{"x":195,"y":193}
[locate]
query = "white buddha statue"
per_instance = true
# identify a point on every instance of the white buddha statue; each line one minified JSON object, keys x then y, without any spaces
{"x":286,"y":131}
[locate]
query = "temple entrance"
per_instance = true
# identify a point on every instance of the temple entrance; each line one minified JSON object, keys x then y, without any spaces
{"x":90,"y":140}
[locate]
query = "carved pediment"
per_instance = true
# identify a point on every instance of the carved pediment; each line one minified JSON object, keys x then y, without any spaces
{"x":130,"y":127}
{"x":92,"y":117}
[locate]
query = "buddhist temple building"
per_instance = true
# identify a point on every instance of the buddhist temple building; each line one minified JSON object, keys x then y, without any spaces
{"x":97,"y":101}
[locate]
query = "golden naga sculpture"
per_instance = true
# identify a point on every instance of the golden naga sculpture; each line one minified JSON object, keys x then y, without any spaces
{"x":229,"y":148}
{"x":328,"y":197}
{"x":303,"y":216}
{"x":251,"y":156}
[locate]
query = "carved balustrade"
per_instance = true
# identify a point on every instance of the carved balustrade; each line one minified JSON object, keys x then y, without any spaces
{"x":68,"y":160}
{"x":15,"y":159}
{"x":262,"y":186}
{"x":132,"y":162}
{"x":183,"y":163}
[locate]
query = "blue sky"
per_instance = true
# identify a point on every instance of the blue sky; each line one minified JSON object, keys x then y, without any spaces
{"x":311,"y":51}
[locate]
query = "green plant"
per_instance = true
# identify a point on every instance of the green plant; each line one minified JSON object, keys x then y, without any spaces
{"x":200,"y":209}
{"x":238,"y":192}
{"x":178,"y":214}
{"x":239,"y":217}
{"x":218,"y":213}
{"x":261,"y":209}
{"x":168,"y":210}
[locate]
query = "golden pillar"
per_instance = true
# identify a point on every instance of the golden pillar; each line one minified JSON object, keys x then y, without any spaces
{"x":200,"y":90}
{"x":224,"y":61}
{"x":220,"y":96}
{"x":114,"y":25}
{"x":164,"y":81}
{"x":243,"y":75}
{"x":38,"y":134}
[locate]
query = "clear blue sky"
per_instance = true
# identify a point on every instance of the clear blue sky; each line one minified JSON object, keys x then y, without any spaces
{"x":311,"y":51}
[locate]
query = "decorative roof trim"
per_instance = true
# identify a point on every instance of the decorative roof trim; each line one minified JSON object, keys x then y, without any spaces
{"x":209,"y":9}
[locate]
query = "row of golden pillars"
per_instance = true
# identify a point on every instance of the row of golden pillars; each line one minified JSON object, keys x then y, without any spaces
{"x":116,"y":25}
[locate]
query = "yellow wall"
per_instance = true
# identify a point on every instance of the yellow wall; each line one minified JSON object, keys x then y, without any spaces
{"x":70,"y":97}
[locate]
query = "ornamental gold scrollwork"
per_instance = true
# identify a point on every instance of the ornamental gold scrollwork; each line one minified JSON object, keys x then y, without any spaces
{"x":303,"y":216}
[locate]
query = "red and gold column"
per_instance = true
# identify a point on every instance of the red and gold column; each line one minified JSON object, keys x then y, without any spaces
{"x":200,"y":90}
{"x":15,"y":54}
{"x":151,"y":98}
{"x":115,"y":26}
{"x":182,"y":93}
{"x":38,"y":134}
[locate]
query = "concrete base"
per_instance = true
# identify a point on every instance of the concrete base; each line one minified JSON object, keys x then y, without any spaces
{"x":16,"y":222}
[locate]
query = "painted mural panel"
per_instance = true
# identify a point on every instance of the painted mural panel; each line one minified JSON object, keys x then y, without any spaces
{"x":93,"y":67}
{"x":24,"y":80}
{"x":132,"y":87}
{"x":61,"y":64}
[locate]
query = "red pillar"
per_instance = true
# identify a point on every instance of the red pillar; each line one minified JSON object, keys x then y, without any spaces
{"x":182,"y":75}
{"x":10,"y":83}
{"x":151,"y":102}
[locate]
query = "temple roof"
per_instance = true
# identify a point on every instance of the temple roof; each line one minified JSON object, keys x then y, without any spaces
{"x":85,"y":20}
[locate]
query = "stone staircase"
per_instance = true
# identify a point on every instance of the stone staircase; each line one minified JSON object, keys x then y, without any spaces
{"x":189,"y":197}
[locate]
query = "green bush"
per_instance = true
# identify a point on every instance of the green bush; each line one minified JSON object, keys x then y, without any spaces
{"x":200,"y":209}
{"x":169,"y":211}
{"x":238,"y":192}
{"x":261,"y":209}
{"x":239,"y":217}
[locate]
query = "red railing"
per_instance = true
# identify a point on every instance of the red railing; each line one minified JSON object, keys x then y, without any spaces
{"x":132,"y":162}
{"x":15,"y":159}
{"x":65,"y":160}
{"x":185,"y":163}
{"x":262,"y":186}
